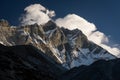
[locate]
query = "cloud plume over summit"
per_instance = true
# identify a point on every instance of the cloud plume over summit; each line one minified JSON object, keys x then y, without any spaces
{"x":36,"y":13}
{"x":73,"y":21}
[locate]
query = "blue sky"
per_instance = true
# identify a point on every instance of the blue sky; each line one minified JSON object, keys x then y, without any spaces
{"x":105,"y":14}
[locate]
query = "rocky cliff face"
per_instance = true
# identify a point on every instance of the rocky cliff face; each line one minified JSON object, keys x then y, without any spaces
{"x":27,"y":63}
{"x":70,"y":48}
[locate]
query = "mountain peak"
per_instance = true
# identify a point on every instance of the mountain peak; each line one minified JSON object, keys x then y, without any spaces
{"x":70,"y":48}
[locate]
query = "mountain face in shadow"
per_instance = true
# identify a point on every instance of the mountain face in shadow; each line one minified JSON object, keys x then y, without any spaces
{"x":99,"y":70}
{"x":26,"y":62}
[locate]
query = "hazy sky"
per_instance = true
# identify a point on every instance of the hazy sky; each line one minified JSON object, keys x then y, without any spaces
{"x":105,"y":14}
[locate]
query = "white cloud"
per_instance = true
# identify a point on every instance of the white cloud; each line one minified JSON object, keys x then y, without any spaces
{"x":73,"y":21}
{"x":98,"y":37}
{"x":36,"y":13}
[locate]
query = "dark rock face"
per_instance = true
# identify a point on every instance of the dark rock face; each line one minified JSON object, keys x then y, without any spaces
{"x":26,"y":63}
{"x":99,"y":70}
{"x":49,"y":26}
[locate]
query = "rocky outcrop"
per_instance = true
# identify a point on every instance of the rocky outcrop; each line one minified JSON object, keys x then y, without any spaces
{"x":4,"y":23}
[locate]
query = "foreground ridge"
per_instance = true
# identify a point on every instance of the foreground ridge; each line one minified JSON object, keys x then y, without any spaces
{"x":25,"y":62}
